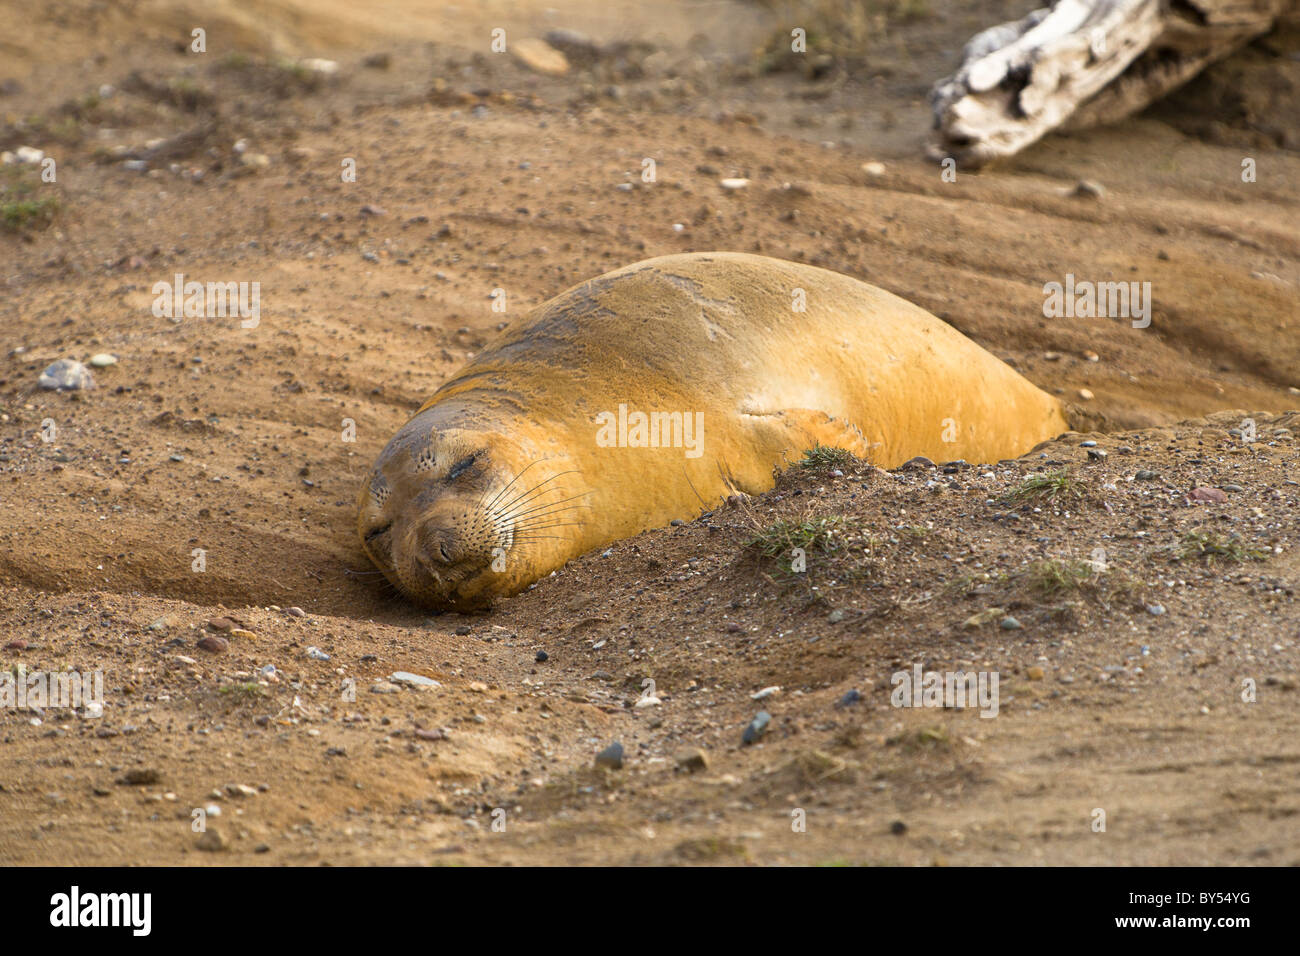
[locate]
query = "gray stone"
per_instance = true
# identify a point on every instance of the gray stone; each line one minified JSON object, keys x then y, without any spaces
{"x":756,"y":727}
{"x":66,"y":375}
{"x":611,"y":757}
{"x":412,"y":680}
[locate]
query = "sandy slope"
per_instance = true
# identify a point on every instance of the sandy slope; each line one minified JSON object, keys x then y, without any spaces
{"x":97,"y":527}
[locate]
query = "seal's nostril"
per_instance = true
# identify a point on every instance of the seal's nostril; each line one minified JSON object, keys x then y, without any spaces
{"x":442,"y":550}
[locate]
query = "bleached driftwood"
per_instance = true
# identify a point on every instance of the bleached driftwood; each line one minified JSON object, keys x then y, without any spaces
{"x":1082,"y":62}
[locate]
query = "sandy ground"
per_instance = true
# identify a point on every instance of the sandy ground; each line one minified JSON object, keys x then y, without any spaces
{"x":1120,"y":691}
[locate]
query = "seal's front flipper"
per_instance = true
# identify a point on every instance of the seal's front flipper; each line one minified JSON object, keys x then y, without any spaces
{"x":786,"y":434}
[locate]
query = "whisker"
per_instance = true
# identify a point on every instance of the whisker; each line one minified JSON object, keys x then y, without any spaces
{"x":511,"y":503}
{"x":524,"y":519}
{"x":551,"y":504}
{"x":508,"y":484}
{"x":547,"y":527}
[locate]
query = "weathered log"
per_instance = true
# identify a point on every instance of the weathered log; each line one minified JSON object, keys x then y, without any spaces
{"x":1081,"y":63}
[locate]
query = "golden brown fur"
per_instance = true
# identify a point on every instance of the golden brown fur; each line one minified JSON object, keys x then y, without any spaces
{"x":505,"y":455}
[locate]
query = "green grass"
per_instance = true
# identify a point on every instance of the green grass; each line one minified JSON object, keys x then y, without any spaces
{"x":825,"y":534}
{"x":926,"y":738}
{"x":18,"y":215}
{"x":242,"y":693}
{"x":1061,"y":576}
{"x":965,"y":584}
{"x":1052,"y":487}
{"x":22,"y":207}
{"x":844,"y":29}
{"x":825,"y":458}
{"x":1211,"y":547}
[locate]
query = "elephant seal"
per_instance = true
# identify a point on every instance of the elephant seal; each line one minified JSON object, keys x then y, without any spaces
{"x":647,"y":394}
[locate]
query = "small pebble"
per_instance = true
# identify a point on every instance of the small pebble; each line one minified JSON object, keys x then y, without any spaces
{"x":212,"y":841}
{"x":1010,"y":624}
{"x":66,"y":375}
{"x":756,"y":727}
{"x":693,"y":760}
{"x":611,"y":757}
{"x":139,"y":777}
{"x":412,"y":680}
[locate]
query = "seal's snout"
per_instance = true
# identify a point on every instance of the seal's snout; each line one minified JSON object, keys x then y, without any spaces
{"x":439,"y":545}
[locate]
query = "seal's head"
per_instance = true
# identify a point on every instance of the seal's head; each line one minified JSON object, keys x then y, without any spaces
{"x":437,"y":514}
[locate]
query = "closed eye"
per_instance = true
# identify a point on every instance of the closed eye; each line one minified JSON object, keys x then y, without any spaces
{"x":376,"y":532}
{"x":460,"y":467}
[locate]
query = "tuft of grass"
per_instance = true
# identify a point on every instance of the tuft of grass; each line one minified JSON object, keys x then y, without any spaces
{"x":298,"y":77}
{"x":825,"y":534}
{"x":1052,"y":487}
{"x":242,"y":693}
{"x":1212,"y":546}
{"x":1062,"y":575}
{"x":981,"y":582}
{"x":812,"y":769}
{"x":926,"y":738}
{"x":18,"y":215}
{"x":843,"y":29}
{"x":21,"y":207}
{"x":825,"y":458}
